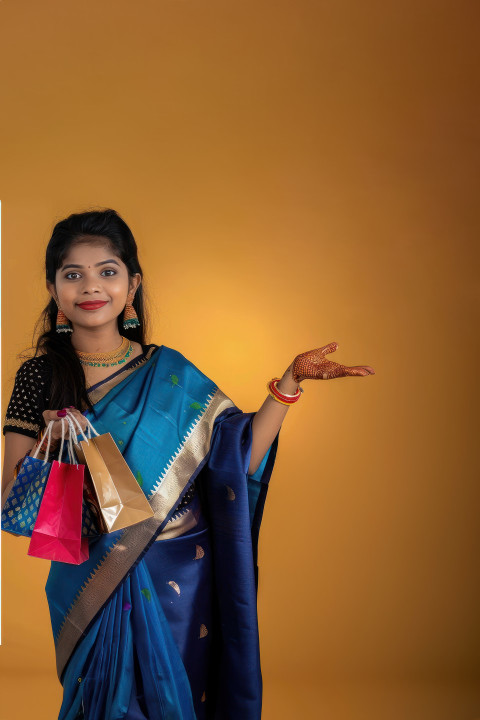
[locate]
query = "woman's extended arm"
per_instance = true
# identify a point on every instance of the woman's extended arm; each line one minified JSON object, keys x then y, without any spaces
{"x":268,"y":420}
{"x":311,"y":365}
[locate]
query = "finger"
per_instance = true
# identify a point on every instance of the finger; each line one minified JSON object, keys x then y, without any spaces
{"x":57,"y":429}
{"x":359,"y":370}
{"x":369,"y":369}
{"x":51,"y":415}
{"x":330,"y":348}
{"x":79,"y":417}
{"x":56,"y":432}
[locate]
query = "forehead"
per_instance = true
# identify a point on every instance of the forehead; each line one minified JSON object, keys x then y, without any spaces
{"x":90,"y":250}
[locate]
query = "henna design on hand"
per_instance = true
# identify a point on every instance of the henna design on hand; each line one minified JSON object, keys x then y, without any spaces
{"x":313,"y":365}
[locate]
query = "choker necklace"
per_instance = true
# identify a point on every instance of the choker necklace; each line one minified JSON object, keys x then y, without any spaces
{"x":115,"y":357}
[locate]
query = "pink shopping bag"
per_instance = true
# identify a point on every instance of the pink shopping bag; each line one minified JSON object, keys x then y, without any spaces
{"x":57,"y":533}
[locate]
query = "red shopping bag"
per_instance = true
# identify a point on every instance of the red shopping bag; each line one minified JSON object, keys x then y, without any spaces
{"x":57,"y":533}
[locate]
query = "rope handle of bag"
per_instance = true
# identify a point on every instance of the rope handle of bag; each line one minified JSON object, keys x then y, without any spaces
{"x":71,"y":422}
{"x":72,"y":434}
{"x":74,"y":431}
{"x":90,"y":427}
{"x":48,"y":434}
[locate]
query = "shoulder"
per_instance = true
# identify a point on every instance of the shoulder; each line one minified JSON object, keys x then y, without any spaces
{"x":176,"y":362}
{"x":172,"y":356}
{"x":34,"y":370}
{"x":24,"y":412}
{"x":38,"y":361}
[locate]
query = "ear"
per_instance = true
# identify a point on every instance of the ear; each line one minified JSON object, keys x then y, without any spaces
{"x":134,"y":284}
{"x":51,"y":290}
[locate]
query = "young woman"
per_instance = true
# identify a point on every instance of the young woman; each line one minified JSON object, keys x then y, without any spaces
{"x":160,"y":621}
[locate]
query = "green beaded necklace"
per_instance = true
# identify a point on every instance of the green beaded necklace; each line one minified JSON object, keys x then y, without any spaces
{"x":116,"y":357}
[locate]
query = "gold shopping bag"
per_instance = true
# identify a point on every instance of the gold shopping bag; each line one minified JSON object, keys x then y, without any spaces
{"x":119,"y":499}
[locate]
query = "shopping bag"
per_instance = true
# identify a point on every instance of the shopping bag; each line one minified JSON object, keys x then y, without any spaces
{"x":20,"y":510}
{"x":111,"y":489}
{"x":57,"y":533}
{"x":21,"y":506}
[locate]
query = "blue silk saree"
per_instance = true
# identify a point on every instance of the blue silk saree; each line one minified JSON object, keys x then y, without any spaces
{"x":161,"y":621}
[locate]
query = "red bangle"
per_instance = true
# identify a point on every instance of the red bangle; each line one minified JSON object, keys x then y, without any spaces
{"x":277,"y":395}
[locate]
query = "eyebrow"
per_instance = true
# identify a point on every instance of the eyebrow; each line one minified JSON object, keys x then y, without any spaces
{"x":104,"y":262}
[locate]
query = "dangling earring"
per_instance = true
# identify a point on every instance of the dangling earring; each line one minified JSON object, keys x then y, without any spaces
{"x":62,"y":322}
{"x":130,"y":318}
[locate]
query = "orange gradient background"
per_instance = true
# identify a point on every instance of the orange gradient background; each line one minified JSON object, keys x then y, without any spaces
{"x":294,"y":173}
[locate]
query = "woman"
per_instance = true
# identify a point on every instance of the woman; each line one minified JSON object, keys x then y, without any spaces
{"x":160,"y":621}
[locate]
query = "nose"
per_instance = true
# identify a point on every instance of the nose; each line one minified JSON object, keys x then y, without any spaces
{"x":90,"y":290}
{"x":91,"y":285}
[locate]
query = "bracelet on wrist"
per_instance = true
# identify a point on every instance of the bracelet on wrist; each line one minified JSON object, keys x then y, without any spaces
{"x":282,"y":397}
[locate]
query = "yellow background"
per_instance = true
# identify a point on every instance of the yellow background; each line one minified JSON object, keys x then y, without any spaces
{"x":294,"y":173}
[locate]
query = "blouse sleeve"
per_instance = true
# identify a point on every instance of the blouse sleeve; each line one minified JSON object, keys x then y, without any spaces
{"x":27,"y":402}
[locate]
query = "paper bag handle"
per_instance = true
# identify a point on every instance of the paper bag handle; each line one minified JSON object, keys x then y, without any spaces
{"x":48,"y":434}
{"x":89,"y":424}
{"x":72,"y":434}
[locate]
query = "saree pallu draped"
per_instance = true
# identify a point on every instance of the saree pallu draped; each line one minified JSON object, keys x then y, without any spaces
{"x":161,"y":621}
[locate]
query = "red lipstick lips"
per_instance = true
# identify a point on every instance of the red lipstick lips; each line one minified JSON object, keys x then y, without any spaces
{"x":92,"y":305}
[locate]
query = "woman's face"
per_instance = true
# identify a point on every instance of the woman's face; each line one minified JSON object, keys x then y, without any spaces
{"x":93,"y":273}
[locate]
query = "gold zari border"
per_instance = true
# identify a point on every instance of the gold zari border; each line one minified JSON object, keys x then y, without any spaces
{"x":179,"y":526}
{"x":116,"y":564}
{"x":15,"y":422}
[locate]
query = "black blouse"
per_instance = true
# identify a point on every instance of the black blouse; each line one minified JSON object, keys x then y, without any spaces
{"x":30,"y":395}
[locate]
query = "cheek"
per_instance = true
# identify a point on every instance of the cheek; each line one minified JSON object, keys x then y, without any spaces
{"x":120,"y":289}
{"x":64,"y":292}
{"x":118,"y":293}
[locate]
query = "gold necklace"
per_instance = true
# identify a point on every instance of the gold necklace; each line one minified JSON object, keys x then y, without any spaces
{"x":115,"y":357}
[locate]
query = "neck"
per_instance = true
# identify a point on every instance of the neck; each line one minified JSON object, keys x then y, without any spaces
{"x":91,"y":340}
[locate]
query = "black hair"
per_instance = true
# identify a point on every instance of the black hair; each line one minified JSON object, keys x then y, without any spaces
{"x":68,"y":386}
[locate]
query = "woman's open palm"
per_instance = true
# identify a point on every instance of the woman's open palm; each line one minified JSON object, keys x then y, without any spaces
{"x":313,"y":365}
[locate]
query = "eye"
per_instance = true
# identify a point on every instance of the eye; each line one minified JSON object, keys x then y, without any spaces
{"x":69,"y":276}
